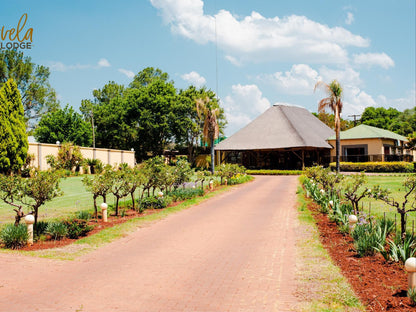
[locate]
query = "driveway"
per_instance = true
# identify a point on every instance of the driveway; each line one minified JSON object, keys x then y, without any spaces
{"x":234,"y":252}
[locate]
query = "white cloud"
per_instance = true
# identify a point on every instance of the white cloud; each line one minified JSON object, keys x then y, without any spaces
{"x":409,"y":101}
{"x":301,"y":79}
{"x":103,"y":63}
{"x":194,"y":78}
{"x":349,"y":19}
{"x":374,"y":59}
{"x":257,"y":38}
{"x":126,"y":72}
{"x":61,"y":67}
{"x":346,"y":77}
{"x":244,"y":104}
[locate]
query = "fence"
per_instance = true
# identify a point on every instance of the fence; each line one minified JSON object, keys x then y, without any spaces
{"x":107,"y":156}
{"x":374,"y":157}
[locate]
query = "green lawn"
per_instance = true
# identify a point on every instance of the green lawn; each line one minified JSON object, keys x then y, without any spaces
{"x":75,"y":198}
{"x":378,"y":208}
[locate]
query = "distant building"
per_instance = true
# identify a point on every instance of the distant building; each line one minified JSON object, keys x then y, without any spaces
{"x":283,"y":137}
{"x":366,"y":143}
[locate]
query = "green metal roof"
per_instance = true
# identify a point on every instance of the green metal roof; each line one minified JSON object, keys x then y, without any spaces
{"x":369,"y":132}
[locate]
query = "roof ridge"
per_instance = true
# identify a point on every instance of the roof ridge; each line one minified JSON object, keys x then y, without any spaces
{"x":291,"y":125}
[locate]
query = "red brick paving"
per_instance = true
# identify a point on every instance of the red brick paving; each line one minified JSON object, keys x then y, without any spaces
{"x":230,"y":253}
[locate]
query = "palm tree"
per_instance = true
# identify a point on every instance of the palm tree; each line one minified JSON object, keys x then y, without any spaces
{"x":333,"y":101}
{"x":211,"y":129}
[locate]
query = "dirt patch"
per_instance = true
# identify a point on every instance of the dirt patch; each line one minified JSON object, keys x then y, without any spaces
{"x":380,"y":285}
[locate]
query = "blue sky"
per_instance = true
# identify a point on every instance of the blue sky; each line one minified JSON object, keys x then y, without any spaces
{"x":268,"y":51}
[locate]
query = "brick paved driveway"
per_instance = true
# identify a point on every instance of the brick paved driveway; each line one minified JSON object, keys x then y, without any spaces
{"x":230,"y":253}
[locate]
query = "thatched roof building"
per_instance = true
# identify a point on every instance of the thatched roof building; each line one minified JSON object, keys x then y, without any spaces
{"x":283,"y":137}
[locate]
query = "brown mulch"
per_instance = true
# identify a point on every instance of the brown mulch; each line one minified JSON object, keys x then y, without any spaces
{"x":98,"y":226}
{"x":380,"y":285}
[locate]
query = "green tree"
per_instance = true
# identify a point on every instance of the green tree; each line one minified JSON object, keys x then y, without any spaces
{"x":13,"y":137}
{"x":152,"y":108}
{"x":211,"y":129}
{"x":148,"y":76}
{"x":64,"y":125}
{"x":32,"y":80}
{"x":333,"y":102}
{"x":379,"y":117}
{"x":329,"y":120}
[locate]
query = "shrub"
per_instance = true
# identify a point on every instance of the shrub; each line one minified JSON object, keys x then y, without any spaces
{"x":14,"y":237}
{"x":40,"y":228}
{"x":239,"y":179}
{"x":369,"y":237}
{"x":57,"y":230}
{"x":154,"y":202}
{"x":184,"y":194}
{"x":83,"y":215}
{"x":77,"y":227}
{"x":392,"y":166}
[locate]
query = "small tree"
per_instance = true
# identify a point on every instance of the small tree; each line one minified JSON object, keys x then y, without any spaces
{"x":355,"y":189}
{"x":10,"y":192}
{"x":182,"y":172}
{"x":402,"y":208}
{"x":119,"y":185}
{"x":134,"y":178}
{"x":41,"y":187}
{"x":99,"y":185}
{"x":69,"y":156}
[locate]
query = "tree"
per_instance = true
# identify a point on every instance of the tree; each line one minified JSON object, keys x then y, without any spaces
{"x":189,"y":127}
{"x":32,"y":192}
{"x":211,"y":130}
{"x":69,"y":156}
{"x":13,"y":137}
{"x":37,"y":96}
{"x":333,"y":102}
{"x":99,"y":185}
{"x":148,"y":76}
{"x":64,"y":125}
{"x":329,"y":120}
{"x":152,"y":108}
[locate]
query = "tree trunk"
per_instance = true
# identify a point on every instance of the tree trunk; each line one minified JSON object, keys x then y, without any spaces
{"x":403,"y":225}
{"x":338,"y":139}
{"x":95,"y":206}
{"x":117,"y":206}
{"x":132,"y":200}
{"x":212,"y":156}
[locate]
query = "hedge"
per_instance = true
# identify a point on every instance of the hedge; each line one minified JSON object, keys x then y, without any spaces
{"x":274,"y":172}
{"x":393,"y":166}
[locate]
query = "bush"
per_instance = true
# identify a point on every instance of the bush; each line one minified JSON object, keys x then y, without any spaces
{"x":240,"y":179}
{"x":393,"y":166}
{"x":40,"y":228}
{"x":83,"y":215}
{"x":77,"y":227}
{"x":274,"y":172}
{"x":57,"y":230}
{"x":154,"y":202}
{"x":184,"y":194}
{"x":14,"y":237}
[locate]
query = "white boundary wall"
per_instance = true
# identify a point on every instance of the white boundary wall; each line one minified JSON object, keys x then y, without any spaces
{"x":107,"y":156}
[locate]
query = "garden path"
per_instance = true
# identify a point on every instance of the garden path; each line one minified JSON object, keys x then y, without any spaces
{"x":234,"y":252}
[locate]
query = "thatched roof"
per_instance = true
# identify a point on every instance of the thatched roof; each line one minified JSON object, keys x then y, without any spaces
{"x":280,"y":127}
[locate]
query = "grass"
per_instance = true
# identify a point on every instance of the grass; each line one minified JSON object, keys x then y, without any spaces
{"x":87,"y":244}
{"x":321,"y":285}
{"x":75,"y":198}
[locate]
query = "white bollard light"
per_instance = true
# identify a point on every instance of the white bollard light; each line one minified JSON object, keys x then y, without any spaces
{"x":352,"y":221}
{"x":410,"y":266}
{"x":30,"y":220}
{"x":160,"y":194}
{"x":211,"y":185}
{"x":331,"y":204}
{"x":104,"y":207}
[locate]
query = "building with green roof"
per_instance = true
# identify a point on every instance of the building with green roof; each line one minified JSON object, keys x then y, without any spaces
{"x":367,"y":143}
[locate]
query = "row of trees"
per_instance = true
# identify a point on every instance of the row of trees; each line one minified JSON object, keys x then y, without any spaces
{"x":149,"y":115}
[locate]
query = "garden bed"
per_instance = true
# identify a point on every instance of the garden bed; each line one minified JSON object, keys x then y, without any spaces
{"x":380,"y":285}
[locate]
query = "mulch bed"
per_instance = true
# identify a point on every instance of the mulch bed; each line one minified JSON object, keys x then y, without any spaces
{"x":380,"y":285}
{"x":98,"y":226}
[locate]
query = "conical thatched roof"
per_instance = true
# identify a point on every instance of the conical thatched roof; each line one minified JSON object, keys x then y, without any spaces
{"x":281,"y":126}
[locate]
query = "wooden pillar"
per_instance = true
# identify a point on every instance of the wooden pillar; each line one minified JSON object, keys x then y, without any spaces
{"x":303,"y":160}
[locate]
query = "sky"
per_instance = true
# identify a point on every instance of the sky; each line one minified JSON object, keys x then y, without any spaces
{"x":252,"y":53}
